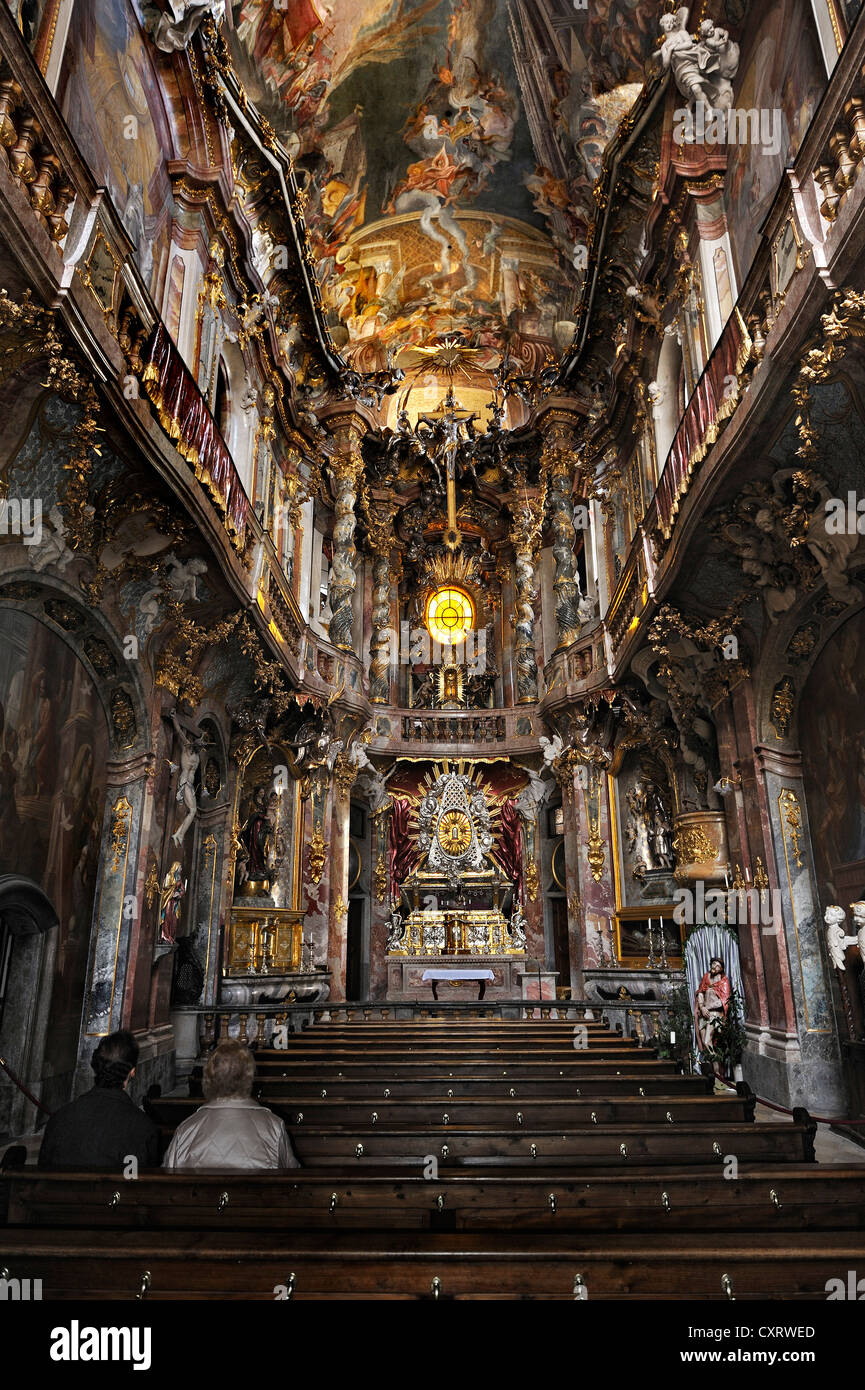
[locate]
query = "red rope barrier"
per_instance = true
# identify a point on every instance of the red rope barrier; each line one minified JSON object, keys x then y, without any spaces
{"x":821,"y":1119}
{"x":21,"y":1087}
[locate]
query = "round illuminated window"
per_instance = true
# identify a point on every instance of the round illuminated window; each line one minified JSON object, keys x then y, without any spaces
{"x":450,"y":614}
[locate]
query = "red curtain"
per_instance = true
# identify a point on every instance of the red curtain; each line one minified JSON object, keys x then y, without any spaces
{"x":186,"y":419}
{"x":401,"y":852}
{"x":510,"y":847}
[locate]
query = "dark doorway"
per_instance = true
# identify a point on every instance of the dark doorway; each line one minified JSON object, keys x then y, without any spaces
{"x":354,"y":949}
{"x":561,"y":946}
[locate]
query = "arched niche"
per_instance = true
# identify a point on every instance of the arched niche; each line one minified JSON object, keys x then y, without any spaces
{"x":26,"y":913}
{"x":73,"y":718}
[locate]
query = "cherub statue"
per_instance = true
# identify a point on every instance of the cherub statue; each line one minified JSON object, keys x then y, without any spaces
{"x":858,"y":910}
{"x":53,"y":550}
{"x":701,"y":67}
{"x":837,"y":940}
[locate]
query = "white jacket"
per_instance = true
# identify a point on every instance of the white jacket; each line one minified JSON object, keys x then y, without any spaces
{"x":231,"y":1134}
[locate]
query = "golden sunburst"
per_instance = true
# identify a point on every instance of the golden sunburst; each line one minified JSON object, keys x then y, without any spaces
{"x":449,"y":356}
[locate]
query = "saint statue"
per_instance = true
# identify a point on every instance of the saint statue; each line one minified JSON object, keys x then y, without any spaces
{"x":170,"y":898}
{"x":256,"y":837}
{"x":711,"y":1003}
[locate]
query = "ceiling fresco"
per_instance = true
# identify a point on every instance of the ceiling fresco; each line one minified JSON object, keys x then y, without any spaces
{"x":448,"y":150}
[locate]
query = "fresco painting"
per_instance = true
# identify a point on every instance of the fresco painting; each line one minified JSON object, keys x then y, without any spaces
{"x":53,"y":752}
{"x":448,"y":154}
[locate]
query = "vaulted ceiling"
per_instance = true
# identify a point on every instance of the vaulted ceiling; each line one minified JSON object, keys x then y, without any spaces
{"x":448,"y":151}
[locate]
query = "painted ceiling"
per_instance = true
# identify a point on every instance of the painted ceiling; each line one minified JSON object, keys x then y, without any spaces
{"x":448,"y":150}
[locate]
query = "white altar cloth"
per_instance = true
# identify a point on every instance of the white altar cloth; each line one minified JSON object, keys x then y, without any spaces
{"x":457,"y":975}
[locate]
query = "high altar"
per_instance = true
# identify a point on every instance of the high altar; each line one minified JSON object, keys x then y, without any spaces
{"x":451,"y":906}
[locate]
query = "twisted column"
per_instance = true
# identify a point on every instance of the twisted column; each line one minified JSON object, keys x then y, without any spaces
{"x":525,"y":537}
{"x":381,"y":541}
{"x":345,"y":470}
{"x":558,"y":464}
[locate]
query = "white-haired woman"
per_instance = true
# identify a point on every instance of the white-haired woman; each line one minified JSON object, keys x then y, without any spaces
{"x":231,"y":1130}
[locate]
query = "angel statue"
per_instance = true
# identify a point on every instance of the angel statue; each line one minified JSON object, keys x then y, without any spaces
{"x":173,"y":29}
{"x":837,"y":939}
{"x":701,"y":66}
{"x":395,"y":929}
{"x":552,"y":749}
{"x":518,"y":929}
{"x":858,"y":910}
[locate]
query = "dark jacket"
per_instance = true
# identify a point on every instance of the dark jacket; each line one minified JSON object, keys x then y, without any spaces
{"x":100,"y":1129}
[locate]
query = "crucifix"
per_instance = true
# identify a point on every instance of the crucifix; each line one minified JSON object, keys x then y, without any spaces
{"x":449,"y":427}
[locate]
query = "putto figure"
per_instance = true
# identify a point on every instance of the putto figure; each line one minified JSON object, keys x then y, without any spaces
{"x":701,"y":66}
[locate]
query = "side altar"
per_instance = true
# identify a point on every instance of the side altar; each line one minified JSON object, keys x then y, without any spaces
{"x":451,"y":909}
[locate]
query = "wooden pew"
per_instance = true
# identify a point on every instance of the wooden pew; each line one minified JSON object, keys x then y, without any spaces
{"x":424,"y":1265}
{"x":762,"y":1198}
{"x":506,"y":1114}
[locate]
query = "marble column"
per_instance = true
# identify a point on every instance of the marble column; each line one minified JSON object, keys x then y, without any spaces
{"x":534,"y":903}
{"x":380,"y":904}
{"x":813,"y":1078}
{"x":212,"y":859}
{"x":337,"y":867}
{"x":582,"y":952}
{"x":593,"y":863}
{"x":526,"y":536}
{"x":346,"y":469}
{"x":558,"y":462}
{"x":117,"y":906}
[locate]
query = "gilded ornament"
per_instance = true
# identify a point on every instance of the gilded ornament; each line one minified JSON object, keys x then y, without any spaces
{"x":65,"y":615}
{"x":123,"y":722}
{"x":781,"y":709}
{"x":761,"y":878}
{"x":212,"y":780}
{"x":693,"y":846}
{"x":380,"y":878}
{"x":792,"y":817}
{"x":99,"y":656}
{"x":317,"y":855}
{"x":121,"y":819}
{"x":532,"y":881}
{"x":151,"y":884}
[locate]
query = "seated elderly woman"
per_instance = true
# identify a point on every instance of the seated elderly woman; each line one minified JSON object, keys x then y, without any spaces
{"x":231,"y":1130}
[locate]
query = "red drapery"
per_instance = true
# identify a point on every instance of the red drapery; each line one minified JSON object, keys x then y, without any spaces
{"x":711,"y":404}
{"x":510,"y":847}
{"x":401,"y":852}
{"x":186,"y":419}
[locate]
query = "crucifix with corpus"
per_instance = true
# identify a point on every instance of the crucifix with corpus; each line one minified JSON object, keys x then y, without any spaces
{"x":447,"y":428}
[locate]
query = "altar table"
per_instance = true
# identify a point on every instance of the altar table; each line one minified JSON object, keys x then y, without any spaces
{"x":436,"y":976}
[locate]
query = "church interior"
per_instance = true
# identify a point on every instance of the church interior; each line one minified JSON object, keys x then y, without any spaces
{"x":431,"y":586}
